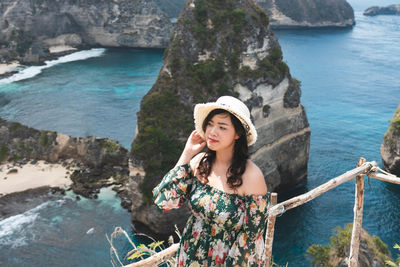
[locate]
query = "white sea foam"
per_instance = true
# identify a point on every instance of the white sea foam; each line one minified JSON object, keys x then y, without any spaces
{"x":35,"y":70}
{"x":90,"y":231}
{"x":12,"y":229}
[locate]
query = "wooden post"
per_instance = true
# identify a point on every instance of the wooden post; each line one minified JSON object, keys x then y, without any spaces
{"x":269,"y":237}
{"x":157,"y":258}
{"x":357,"y":223}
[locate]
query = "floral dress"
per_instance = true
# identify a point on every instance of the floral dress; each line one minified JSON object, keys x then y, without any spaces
{"x":224,"y":229}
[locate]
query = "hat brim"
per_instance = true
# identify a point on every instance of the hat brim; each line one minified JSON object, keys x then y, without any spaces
{"x":201,"y":112}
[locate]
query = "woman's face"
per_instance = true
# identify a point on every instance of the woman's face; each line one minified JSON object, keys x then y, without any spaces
{"x":220,"y":133}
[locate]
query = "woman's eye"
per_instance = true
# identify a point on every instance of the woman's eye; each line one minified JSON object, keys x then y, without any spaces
{"x":222,"y":128}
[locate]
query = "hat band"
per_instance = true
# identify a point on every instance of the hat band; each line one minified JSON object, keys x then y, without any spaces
{"x":244,"y":123}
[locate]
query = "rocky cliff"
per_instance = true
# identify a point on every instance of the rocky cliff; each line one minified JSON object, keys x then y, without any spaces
{"x":388,"y":10}
{"x":29,"y":28}
{"x":291,"y":13}
{"x":219,"y":47}
{"x":390,"y":148}
{"x":92,"y":161}
{"x":373,"y":251}
{"x":308,"y":13}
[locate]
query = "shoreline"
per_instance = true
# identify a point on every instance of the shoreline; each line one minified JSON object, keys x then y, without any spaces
{"x":57,"y":51}
{"x":18,"y":178}
{"x":6,"y":68}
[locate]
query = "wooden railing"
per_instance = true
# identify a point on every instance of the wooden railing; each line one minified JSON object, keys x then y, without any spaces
{"x":370,"y":169}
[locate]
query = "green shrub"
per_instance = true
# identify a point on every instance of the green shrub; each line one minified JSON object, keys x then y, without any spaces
{"x":339,"y":244}
{"x":379,"y":248}
{"x":15,"y":126}
{"x":342,"y":239}
{"x":395,"y":125}
{"x":162,"y":120}
{"x":44,"y":139}
{"x":320,"y":255}
{"x":397,"y":263}
{"x":110,"y":146}
{"x":3,"y":152}
{"x":22,"y":39}
{"x":207,"y":72}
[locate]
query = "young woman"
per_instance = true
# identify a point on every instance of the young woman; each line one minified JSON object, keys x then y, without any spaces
{"x":226,"y":191}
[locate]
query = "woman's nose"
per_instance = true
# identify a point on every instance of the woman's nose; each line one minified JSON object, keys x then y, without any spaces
{"x":213,"y":130}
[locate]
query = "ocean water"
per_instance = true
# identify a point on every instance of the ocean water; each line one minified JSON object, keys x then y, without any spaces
{"x":64,"y":232}
{"x":97,"y":93}
{"x":350,"y":83}
{"x":350,"y":89}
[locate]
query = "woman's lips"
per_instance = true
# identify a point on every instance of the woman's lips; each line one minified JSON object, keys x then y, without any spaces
{"x":212,"y":140}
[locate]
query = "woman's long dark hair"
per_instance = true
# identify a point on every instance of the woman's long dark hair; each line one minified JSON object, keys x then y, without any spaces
{"x":240,"y":153}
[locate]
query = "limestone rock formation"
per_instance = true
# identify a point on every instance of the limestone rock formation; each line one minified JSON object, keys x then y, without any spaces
{"x":308,"y":13}
{"x":34,"y":26}
{"x":388,"y":10}
{"x":93,"y":160}
{"x":219,"y":47}
{"x":390,"y":148}
{"x":291,"y":13}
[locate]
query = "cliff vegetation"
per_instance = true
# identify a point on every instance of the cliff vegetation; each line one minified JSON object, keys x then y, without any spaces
{"x":373,"y":252}
{"x":202,"y":62}
{"x":390,"y":148}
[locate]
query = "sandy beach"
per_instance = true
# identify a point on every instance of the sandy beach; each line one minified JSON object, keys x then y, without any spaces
{"x":4,"y":68}
{"x":16,"y":179}
{"x":61,"y":48}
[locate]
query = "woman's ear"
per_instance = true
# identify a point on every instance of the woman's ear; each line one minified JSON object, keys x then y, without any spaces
{"x":237,"y":136}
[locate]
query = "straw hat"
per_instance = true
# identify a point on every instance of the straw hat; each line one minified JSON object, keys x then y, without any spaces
{"x":234,"y":106}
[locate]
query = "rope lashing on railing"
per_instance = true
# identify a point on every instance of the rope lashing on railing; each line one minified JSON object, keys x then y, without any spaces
{"x":371,"y":169}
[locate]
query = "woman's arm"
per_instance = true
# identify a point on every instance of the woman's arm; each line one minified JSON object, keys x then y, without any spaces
{"x":175,"y":187}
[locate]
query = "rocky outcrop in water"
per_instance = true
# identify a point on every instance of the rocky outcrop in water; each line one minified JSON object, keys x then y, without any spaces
{"x":219,"y":48}
{"x":308,"y":13}
{"x":92,"y":161}
{"x":390,"y":148}
{"x":388,"y":10}
{"x":28,"y":29}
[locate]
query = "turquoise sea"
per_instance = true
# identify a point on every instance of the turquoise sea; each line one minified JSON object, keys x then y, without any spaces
{"x":350,"y":89}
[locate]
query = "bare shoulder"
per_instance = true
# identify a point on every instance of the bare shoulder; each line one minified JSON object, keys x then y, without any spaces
{"x":253,"y":180}
{"x":194,"y":162}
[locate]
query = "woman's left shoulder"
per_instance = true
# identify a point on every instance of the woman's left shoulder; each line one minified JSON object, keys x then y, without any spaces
{"x":254,"y":180}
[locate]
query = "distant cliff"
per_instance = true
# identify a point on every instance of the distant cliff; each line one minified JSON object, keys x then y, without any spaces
{"x":388,"y":10}
{"x":291,"y":13}
{"x":390,"y":148}
{"x":222,"y":47}
{"x":28,"y":29}
{"x":308,"y":13}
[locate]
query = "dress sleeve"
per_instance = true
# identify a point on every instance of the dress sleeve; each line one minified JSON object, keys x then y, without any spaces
{"x":174,"y":188}
{"x":248,"y":249}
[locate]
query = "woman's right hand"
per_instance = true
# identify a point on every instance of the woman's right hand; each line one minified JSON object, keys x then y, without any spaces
{"x":194,"y":145}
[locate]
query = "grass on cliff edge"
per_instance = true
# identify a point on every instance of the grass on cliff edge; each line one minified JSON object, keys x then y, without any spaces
{"x":329,"y":255}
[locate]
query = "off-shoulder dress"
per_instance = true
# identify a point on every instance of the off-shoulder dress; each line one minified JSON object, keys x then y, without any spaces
{"x":224,"y":229}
